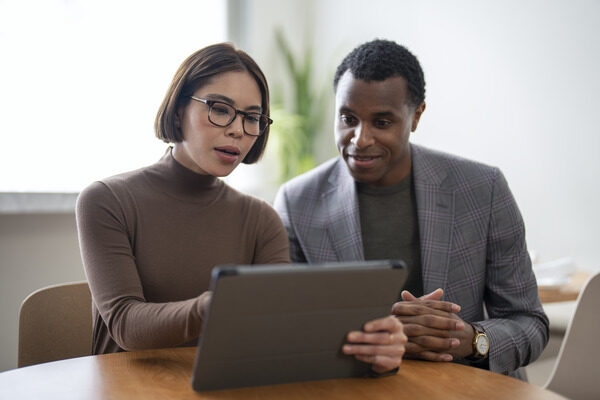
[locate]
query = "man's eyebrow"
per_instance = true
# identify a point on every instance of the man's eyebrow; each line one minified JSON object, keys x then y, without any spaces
{"x":384,"y":114}
{"x":381,"y":114}
{"x":220,"y":97}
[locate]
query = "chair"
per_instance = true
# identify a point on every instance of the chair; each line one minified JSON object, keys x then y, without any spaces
{"x":576,"y":374}
{"x":55,"y":323}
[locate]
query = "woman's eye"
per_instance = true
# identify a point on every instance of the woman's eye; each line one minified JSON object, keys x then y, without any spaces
{"x":220,"y":109}
{"x":253,"y":118}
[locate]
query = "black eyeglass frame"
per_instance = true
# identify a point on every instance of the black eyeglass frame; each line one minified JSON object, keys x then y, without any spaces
{"x":244,"y":115}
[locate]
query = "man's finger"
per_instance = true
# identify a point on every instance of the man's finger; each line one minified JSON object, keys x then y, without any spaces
{"x":437,"y":294}
{"x":432,"y":343}
{"x":415,"y":351}
{"x":407,"y":296}
{"x":420,"y":330}
{"x":433,"y":321}
{"x":433,"y":356}
{"x":435,"y":307}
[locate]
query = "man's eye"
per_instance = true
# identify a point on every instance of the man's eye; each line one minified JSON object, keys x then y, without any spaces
{"x":382,"y":123}
{"x":348,"y":120}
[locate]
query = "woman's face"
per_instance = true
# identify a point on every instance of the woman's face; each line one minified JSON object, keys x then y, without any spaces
{"x":214,"y":150}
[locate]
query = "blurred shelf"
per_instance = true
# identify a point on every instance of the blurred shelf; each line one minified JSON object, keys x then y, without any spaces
{"x":37,"y":203}
{"x":568,"y":292}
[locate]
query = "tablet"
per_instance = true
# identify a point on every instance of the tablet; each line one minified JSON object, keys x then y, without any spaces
{"x":271,"y":324}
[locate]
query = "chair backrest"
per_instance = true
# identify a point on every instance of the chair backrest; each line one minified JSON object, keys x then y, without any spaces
{"x":576,"y":373}
{"x":55,"y":323}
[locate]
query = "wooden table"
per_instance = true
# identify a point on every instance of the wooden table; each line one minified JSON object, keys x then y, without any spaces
{"x":568,"y":292}
{"x":166,"y":374}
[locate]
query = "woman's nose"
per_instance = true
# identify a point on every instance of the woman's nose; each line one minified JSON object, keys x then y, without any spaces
{"x":236,"y":128}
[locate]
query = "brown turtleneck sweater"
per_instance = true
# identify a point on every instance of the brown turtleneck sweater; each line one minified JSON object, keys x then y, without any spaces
{"x":149,"y":240}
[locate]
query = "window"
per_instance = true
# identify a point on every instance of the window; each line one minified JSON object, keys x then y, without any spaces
{"x":81,"y":81}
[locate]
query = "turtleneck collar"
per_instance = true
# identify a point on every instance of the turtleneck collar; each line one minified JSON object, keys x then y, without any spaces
{"x":175,"y":180}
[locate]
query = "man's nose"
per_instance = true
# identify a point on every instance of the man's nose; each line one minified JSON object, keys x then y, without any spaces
{"x":363,"y":137}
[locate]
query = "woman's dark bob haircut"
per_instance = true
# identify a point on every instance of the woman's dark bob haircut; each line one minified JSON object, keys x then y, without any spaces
{"x":195,"y":72}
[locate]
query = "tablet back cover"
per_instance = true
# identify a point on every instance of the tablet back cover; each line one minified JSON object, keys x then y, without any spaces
{"x":287,"y":323}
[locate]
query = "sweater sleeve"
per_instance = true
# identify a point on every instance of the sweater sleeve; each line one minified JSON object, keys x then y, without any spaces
{"x":271,"y":240}
{"x":110,"y":267}
{"x":282,"y":208}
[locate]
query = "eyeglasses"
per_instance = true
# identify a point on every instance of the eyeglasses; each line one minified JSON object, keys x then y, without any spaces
{"x":223,"y":114}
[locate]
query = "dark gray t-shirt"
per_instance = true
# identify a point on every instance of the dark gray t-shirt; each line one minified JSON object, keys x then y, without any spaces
{"x":390,"y":228}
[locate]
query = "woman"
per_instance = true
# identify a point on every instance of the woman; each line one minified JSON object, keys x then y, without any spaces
{"x":149,"y":238}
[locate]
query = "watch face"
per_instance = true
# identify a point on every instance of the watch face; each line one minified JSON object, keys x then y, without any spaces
{"x":482,"y":344}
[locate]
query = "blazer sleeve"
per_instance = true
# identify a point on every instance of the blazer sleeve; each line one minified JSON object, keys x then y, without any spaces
{"x":517,"y":327}
{"x":285,"y":210}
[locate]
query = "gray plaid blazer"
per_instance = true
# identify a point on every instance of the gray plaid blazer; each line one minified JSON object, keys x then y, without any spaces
{"x":472,"y":243}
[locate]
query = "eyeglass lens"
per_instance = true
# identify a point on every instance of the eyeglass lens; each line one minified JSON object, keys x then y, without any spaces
{"x":223,"y":114}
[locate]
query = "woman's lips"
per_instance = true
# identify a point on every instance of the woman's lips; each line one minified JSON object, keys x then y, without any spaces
{"x":229,"y":154}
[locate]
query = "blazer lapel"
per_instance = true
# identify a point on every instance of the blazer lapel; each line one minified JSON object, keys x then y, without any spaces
{"x":343,"y":225}
{"x":435,"y":209}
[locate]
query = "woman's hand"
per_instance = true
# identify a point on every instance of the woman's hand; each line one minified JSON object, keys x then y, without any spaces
{"x":381,"y":343}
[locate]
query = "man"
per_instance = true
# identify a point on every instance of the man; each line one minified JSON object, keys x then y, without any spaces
{"x":454,"y":221}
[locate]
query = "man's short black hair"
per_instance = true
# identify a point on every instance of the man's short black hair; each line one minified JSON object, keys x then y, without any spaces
{"x":380,"y":59}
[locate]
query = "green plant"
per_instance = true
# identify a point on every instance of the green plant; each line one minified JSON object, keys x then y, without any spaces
{"x":297,"y":124}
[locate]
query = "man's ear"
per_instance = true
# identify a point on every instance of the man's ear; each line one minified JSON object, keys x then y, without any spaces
{"x":417,"y":116}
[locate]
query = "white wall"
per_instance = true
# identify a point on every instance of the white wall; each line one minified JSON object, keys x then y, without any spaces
{"x":106,"y":66}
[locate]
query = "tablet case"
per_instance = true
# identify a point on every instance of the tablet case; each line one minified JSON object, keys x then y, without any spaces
{"x":271,"y":324}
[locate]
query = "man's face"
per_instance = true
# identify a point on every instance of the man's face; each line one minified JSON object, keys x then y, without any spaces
{"x":372,"y":126}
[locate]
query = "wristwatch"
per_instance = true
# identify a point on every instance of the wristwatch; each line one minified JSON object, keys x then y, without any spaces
{"x":481,"y":343}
